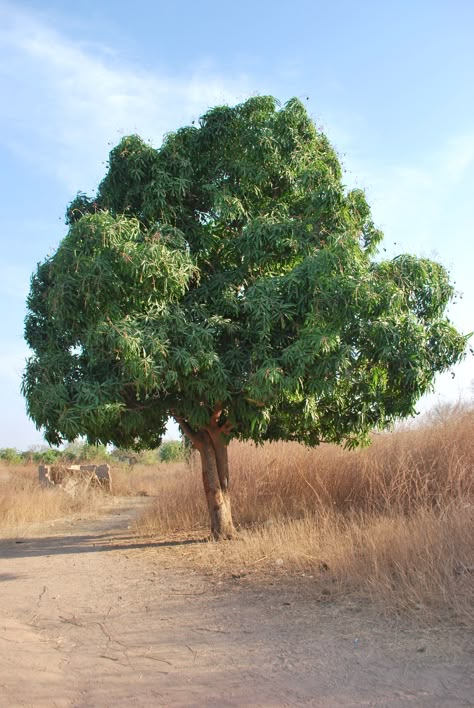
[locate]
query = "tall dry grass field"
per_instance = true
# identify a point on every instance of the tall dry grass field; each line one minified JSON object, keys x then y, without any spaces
{"x":145,"y":479}
{"x":393,"y":522}
{"x":24,"y":502}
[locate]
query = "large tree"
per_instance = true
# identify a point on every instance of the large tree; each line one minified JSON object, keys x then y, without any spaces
{"x":229,"y":280}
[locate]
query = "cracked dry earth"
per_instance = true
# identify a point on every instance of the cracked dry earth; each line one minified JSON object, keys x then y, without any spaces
{"x":92,"y":616}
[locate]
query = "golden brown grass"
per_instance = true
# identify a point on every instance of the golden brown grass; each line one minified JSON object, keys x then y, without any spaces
{"x":24,"y":502}
{"x":144,"y":480}
{"x":393,"y":523}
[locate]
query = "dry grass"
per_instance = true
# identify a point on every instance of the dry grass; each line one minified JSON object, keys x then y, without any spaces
{"x":393,"y":523}
{"x":24,"y":502}
{"x":145,"y":480}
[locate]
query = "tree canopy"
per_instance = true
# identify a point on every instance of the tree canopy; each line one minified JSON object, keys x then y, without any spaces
{"x":231,"y":270}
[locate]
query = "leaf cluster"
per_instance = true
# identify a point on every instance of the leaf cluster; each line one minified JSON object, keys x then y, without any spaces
{"x":231,"y":266}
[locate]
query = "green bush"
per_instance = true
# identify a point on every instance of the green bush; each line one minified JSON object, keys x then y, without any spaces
{"x":172,"y":451}
{"x":77,"y":452}
{"x":48,"y":457}
{"x":10,"y":455}
{"x":52,"y":456}
{"x":134,"y":457}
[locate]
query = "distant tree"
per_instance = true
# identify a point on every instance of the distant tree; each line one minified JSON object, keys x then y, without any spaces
{"x":28,"y":456}
{"x":48,"y":456}
{"x":10,"y":455}
{"x":129,"y":457}
{"x":228,"y":279}
{"x":77,"y":452}
{"x":172,"y":451}
{"x":134,"y":457}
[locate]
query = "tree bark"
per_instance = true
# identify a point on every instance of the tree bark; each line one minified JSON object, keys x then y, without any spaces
{"x":217,"y":494}
{"x":222,"y":461}
{"x":212,"y":447}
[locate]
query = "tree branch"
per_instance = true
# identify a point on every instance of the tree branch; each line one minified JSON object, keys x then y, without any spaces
{"x":226,"y":427}
{"x":216,"y":413}
{"x":186,"y":429}
{"x":214,"y":426}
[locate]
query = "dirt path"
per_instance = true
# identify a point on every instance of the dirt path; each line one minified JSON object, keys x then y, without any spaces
{"x":90,"y":616}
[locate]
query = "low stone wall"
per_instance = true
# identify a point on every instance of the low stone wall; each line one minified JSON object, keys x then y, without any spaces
{"x":75,"y":478}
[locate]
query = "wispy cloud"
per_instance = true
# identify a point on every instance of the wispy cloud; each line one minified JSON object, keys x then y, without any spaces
{"x":67,"y":101}
{"x":423,"y":204}
{"x":64,"y":102}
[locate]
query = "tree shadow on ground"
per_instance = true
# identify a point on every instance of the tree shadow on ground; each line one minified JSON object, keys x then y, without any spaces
{"x":85,"y":543}
{"x":8,"y":576}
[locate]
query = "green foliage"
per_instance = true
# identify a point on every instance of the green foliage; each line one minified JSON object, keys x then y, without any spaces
{"x":173,"y":451}
{"x":83,"y":452}
{"x":10,"y":455}
{"x":231,"y":265}
{"x":135,"y":457}
{"x":48,"y":456}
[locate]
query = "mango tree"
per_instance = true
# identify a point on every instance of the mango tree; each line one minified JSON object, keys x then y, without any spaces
{"x":228,"y":279}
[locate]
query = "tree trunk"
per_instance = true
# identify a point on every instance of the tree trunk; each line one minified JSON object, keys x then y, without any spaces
{"x":211,"y":443}
{"x":215,"y":478}
{"x":222,"y":461}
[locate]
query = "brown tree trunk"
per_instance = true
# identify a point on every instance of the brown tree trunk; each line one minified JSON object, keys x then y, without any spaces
{"x":210,"y":443}
{"x":217,"y":498}
{"x":222,"y":461}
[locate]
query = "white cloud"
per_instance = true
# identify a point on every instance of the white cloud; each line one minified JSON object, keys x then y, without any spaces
{"x":64,"y":102}
{"x":67,"y":101}
{"x":422,"y":205}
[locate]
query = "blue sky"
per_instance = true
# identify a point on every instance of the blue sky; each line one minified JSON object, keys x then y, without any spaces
{"x":389,"y":82}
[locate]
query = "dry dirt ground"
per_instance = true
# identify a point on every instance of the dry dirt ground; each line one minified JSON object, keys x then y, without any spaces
{"x":91,"y":616}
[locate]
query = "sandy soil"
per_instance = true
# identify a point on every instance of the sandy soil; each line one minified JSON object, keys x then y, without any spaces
{"x":91,"y":616}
